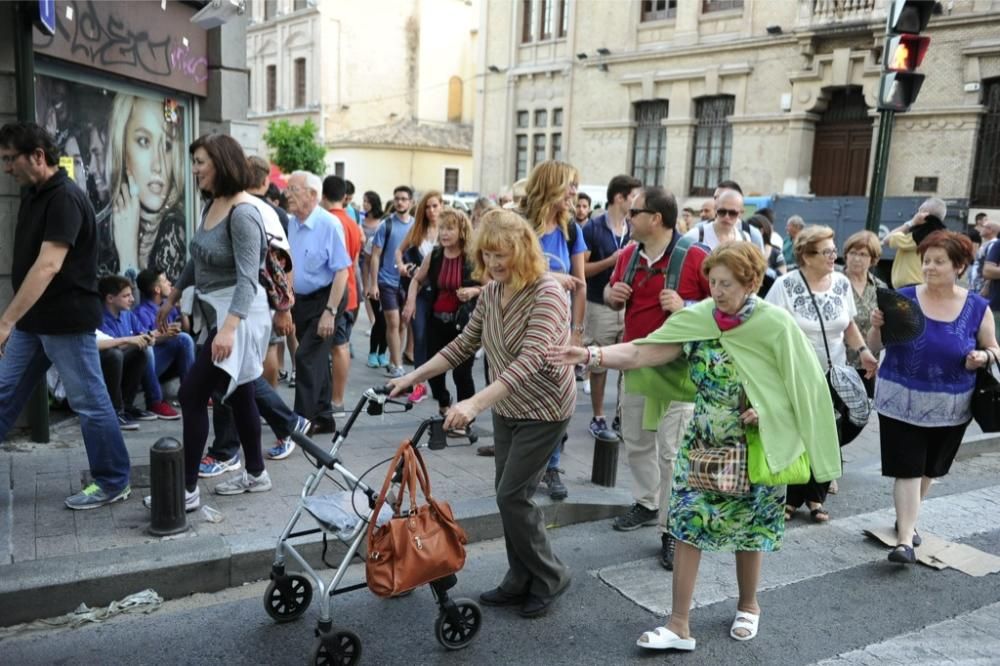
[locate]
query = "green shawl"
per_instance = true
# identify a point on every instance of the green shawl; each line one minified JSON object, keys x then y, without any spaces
{"x":781,"y":375}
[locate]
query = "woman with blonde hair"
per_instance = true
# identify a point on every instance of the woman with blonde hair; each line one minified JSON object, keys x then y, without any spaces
{"x":447,"y":273}
{"x":742,"y":362}
{"x":416,"y":245}
{"x":521,"y":315}
{"x":822,"y":304}
{"x":146,"y":170}
{"x":549,"y":203}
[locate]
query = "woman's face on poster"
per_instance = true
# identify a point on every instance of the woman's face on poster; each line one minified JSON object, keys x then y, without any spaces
{"x":148,"y":150}
{"x":96,"y":163}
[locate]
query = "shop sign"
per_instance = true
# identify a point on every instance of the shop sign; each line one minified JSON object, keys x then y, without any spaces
{"x":153,"y":42}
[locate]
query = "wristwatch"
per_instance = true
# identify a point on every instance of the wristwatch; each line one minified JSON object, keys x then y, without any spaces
{"x":578,"y":328}
{"x":332,"y":311}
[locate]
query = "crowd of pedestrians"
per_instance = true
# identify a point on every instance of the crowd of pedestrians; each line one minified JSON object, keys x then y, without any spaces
{"x":726,"y":337}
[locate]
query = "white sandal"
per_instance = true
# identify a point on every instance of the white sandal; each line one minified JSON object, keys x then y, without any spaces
{"x":662,"y":638}
{"x":747,"y":622}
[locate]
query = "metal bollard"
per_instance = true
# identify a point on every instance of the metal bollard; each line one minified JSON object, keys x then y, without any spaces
{"x":166,"y":473}
{"x":604,"y":470}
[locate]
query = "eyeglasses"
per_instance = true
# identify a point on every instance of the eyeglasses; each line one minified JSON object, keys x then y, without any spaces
{"x":10,"y":159}
{"x":294,"y":189}
{"x":401,"y":199}
{"x":727,"y":212}
{"x":829,"y":253}
{"x":634,"y":212}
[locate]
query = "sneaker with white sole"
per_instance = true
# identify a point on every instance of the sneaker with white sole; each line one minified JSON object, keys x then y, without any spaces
{"x":586,"y":386}
{"x":211,"y":467}
{"x":245,"y":483}
{"x":418,"y":395}
{"x":192,"y":500}
{"x":93,"y":497}
{"x":281,"y":449}
{"x":303,"y":426}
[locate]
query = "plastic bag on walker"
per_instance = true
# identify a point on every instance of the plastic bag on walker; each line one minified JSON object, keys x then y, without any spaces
{"x":339,"y":512}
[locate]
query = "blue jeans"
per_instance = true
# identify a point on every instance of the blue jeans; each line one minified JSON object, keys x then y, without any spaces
{"x":23,"y":365}
{"x":176,"y":353}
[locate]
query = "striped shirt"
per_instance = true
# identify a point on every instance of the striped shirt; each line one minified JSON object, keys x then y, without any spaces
{"x":516,"y":338}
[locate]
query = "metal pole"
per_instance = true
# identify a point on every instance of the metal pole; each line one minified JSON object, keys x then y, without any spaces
{"x":37,"y":409}
{"x":877,"y":190}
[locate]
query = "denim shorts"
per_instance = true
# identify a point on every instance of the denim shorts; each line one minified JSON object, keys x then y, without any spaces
{"x":342,"y":328}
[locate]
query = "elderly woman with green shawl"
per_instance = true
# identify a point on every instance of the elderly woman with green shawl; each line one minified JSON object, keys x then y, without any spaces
{"x":724,"y":353}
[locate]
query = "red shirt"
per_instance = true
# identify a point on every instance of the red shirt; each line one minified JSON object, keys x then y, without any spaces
{"x":352,"y":242}
{"x":643,"y":313}
{"x":449,"y":280}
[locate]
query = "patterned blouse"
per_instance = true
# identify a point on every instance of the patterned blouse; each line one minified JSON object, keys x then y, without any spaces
{"x":836,"y":304}
{"x":866,"y":303}
{"x":516,"y":338}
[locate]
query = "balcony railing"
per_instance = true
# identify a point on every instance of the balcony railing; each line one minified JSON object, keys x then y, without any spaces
{"x":817,"y":13}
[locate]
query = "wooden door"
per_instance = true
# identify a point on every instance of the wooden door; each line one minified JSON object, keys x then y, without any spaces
{"x":841,"y":153}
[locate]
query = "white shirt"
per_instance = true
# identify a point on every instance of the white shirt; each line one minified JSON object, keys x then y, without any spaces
{"x":836,"y":303}
{"x":272,"y":225}
{"x":709,"y":238}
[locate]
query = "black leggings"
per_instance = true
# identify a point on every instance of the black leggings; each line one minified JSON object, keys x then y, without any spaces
{"x":439,"y":334}
{"x":378,"y":343}
{"x":203,"y":379}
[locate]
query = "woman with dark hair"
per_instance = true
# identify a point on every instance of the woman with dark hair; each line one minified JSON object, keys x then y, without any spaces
{"x":372,"y":206}
{"x":924,"y":391}
{"x":226,"y":254}
{"x":410,"y":254}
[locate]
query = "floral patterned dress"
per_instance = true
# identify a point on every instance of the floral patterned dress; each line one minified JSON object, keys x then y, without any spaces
{"x":710,"y":521}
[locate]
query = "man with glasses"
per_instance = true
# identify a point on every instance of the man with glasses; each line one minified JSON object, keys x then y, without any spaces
{"x":321,"y":270}
{"x":385,"y":274}
{"x":56,"y":308}
{"x":639,"y":285}
{"x":605,"y":236}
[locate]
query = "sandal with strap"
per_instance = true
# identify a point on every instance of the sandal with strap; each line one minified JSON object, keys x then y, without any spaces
{"x":819,"y":514}
{"x":789,"y":512}
{"x":747,"y":622}
{"x":662,"y":638}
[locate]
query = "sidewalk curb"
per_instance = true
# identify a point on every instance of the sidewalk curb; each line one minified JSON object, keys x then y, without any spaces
{"x":977,"y":445}
{"x":181,"y":566}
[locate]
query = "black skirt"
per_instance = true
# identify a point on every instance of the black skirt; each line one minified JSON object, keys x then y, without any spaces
{"x":910,"y":451}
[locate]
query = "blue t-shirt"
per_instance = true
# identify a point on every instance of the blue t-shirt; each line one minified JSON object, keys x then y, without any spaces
{"x":556,"y":249}
{"x":993,"y":254}
{"x":146,"y":313}
{"x":388,"y":274}
{"x":123,"y":326}
{"x":602,"y":243}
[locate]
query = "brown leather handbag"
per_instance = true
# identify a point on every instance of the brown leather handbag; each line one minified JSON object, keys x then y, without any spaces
{"x":720,"y":469}
{"x":420,"y":544}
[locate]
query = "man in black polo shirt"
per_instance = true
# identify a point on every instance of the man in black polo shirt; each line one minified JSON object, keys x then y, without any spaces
{"x":56,"y":308}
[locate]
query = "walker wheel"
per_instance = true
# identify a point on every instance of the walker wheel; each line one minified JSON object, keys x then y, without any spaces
{"x":288,"y":597}
{"x":457,"y":635}
{"x":340,"y":648}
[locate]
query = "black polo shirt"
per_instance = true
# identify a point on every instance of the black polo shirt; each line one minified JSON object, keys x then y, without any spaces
{"x":59,"y":211}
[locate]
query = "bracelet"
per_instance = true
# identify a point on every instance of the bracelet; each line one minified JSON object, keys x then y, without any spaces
{"x":578,"y":328}
{"x":594,"y":357}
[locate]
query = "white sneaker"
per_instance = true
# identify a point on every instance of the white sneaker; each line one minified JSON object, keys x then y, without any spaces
{"x":244,"y":482}
{"x":192,"y":501}
{"x":586,"y":386}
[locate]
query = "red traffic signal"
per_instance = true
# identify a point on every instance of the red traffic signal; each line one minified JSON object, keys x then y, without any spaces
{"x":904,"y":53}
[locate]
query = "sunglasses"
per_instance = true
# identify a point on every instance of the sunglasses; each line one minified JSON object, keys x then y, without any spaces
{"x":727,"y":212}
{"x":633,"y":212}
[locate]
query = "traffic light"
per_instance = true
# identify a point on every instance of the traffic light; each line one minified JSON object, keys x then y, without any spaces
{"x":904,"y":50}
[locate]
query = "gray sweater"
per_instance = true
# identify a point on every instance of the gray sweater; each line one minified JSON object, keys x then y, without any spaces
{"x":217,"y":263}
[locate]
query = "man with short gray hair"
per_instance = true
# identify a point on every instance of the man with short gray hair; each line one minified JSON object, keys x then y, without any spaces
{"x":904,"y":239}
{"x":321,"y":269}
{"x":793,"y":226}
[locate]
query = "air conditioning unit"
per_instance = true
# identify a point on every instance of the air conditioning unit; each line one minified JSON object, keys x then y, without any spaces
{"x":217,"y":12}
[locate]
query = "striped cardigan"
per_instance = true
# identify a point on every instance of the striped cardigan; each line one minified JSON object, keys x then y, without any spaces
{"x":515,"y":339}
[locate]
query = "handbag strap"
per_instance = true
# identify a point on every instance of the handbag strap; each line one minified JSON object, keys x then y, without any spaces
{"x":401,"y":460}
{"x":822,"y":328}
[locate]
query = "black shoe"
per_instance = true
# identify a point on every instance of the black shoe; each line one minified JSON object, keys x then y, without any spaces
{"x":557,"y":489}
{"x":637,"y":516}
{"x":903,"y":554}
{"x":667,"y":552}
{"x":536,"y":606}
{"x":501,"y":597}
{"x":616,"y":425}
{"x":322,"y":426}
{"x":916,"y":537}
{"x":140,"y":414}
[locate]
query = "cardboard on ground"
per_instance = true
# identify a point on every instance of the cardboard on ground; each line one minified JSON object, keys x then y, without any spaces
{"x":937,"y":553}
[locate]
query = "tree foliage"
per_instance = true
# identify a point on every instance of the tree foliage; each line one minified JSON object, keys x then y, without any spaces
{"x":294,"y":147}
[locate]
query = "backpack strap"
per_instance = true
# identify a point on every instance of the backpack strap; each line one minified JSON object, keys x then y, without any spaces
{"x":676,"y":261}
{"x":264,"y":243}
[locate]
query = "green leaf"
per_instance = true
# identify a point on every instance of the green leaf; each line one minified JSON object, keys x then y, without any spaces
{"x":294,"y":147}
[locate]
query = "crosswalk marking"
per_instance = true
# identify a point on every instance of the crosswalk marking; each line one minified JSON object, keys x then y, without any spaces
{"x":807,"y":552}
{"x":969,"y":639}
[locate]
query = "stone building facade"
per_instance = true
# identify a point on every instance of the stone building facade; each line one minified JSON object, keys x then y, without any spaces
{"x":777,"y":94}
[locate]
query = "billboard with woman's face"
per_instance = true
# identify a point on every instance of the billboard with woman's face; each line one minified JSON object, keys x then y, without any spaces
{"x":128,"y":153}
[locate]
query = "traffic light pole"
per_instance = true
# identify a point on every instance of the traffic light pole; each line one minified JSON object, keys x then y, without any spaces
{"x":877,"y":191}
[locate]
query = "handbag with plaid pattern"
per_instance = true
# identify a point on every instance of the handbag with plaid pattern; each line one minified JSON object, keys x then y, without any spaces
{"x":720,"y":469}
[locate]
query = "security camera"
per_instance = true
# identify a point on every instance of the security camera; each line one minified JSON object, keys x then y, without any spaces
{"x":217,"y":12}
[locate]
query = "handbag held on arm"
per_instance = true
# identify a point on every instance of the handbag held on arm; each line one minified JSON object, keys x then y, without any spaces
{"x":720,"y":469}
{"x":850,"y":400}
{"x":986,"y":396}
{"x":421,"y":543}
